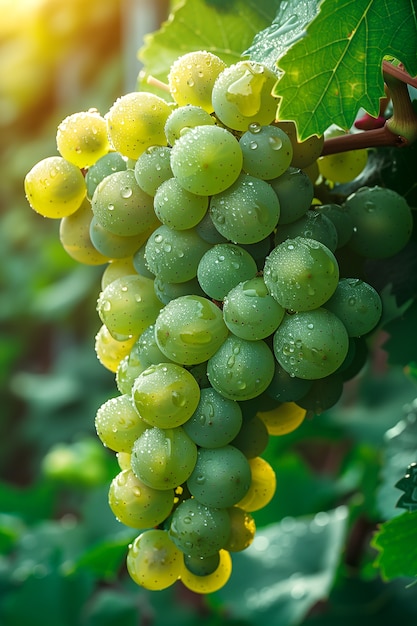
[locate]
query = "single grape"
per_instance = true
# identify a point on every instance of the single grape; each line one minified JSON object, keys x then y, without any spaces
{"x":202,"y":566}
{"x":118,"y":424}
{"x":153,"y":561}
{"x":178,"y":208}
{"x":283,"y":419}
{"x":242,"y":530}
{"x":357,"y":304}
{"x":301,"y":273}
{"x":262,"y":487}
{"x":207,"y":230}
{"x":311,"y":344}
{"x":135,"y":504}
{"x":192,"y":76}
{"x":136,"y":121}
{"x":250,"y":312}
{"x":165,"y":395}
{"x":224,"y":266}
{"x":128,"y":305}
{"x":247,"y":211}
{"x":253,"y":437}
{"x":147,"y":350}
{"x":82,"y":138}
{"x":206,"y":160}
{"x":242,"y":95}
{"x":216,"y":420}
{"x":152,"y":168}
{"x":163,"y":458}
{"x":286,"y":388}
{"x":117,"y":268}
{"x":171,"y":291}
{"x":342,"y":167}
{"x":241,"y":369}
{"x":306,"y":152}
{"x":295,"y":193}
{"x":104,"y":166}
{"x":184,"y":117}
{"x":74,"y":235}
{"x":323,"y":393}
{"x":221,"y":477}
{"x":55,"y":187}
{"x":190,"y":329}
{"x":139,"y":261}
{"x":199,"y":530}
{"x":313,"y":225}
{"x":211,"y":582}
{"x":267,"y":151}
{"x":111,"y":245}
{"x":109,"y":350}
{"x":341,"y":219}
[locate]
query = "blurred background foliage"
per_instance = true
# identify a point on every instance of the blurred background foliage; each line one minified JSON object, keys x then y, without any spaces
{"x":61,"y":550}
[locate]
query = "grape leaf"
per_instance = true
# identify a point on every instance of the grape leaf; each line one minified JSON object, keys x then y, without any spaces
{"x":199,"y":25}
{"x":396,"y":541}
{"x":336,"y":68}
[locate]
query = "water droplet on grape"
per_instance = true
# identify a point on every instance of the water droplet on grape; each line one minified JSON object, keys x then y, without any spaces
{"x":253,"y":145}
{"x":254,"y":128}
{"x":275,"y":143}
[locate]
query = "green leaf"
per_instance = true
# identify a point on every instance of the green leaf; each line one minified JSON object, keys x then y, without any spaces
{"x":197,"y":25}
{"x":289,"y":567}
{"x":105,"y":559}
{"x":396,"y":541}
{"x":336,"y":68}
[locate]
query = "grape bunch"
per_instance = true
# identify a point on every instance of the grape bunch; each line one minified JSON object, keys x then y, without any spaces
{"x":226,"y":314}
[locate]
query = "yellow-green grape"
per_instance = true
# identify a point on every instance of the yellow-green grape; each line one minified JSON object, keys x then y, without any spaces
{"x":82,"y":138}
{"x":55,"y":187}
{"x":135,"y":504}
{"x":262,"y":487}
{"x":306,"y":152}
{"x":242,"y":530}
{"x":242,"y":95}
{"x":136,"y":121}
{"x":110,"y":352}
{"x":116,"y":269}
{"x":118,"y":424}
{"x":282,"y":420}
{"x":192,"y":76}
{"x":123,"y":459}
{"x":154,"y":561}
{"x":74,"y":234}
{"x":186,"y":117}
{"x":210,"y":582}
{"x":342,"y":167}
{"x":114,"y":246}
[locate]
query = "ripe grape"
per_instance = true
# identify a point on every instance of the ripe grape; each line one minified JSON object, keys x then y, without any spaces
{"x":284,"y":418}
{"x":118,"y":424}
{"x":74,"y":235}
{"x":178,"y":208}
{"x":357,"y":304}
{"x":267,"y":151}
{"x":82,"y":138}
{"x":262,"y":486}
{"x":295,"y":193}
{"x":187,"y":116}
{"x":152,"y":168}
{"x":210,"y":582}
{"x":153,"y":561}
{"x":222,"y":267}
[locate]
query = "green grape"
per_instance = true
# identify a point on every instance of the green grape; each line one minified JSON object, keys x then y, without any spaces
{"x":136,"y":121}
{"x":221,"y":477}
{"x":357,"y":304}
{"x":147,"y":350}
{"x":241,"y":369}
{"x":153,"y":561}
{"x":252,"y":438}
{"x":250,"y":312}
{"x":82,"y":138}
{"x":301,"y":273}
{"x":247,"y":211}
{"x":178,"y":208}
{"x":306,"y":152}
{"x":163,"y":458}
{"x":341,"y":218}
{"x":313,"y":225}
{"x":123,"y":460}
{"x":199,"y":530}
{"x":152,"y":168}
{"x":223,"y":267}
{"x":202,"y":565}
{"x":242,"y":530}
{"x":126,"y":374}
{"x":121,"y":206}
{"x":286,"y":388}
{"x":211,"y":582}
{"x":170,"y":291}
{"x":192,"y":76}
{"x":174,"y":255}
{"x":267,"y":151}
{"x":190,"y":329}
{"x":242,"y":95}
{"x":262,"y":486}
{"x":165,"y":395}
{"x":111,"y":351}
{"x":135,"y":504}
{"x":259,"y":250}
{"x":104,"y":166}
{"x":140,"y":264}
{"x":342,"y":167}
{"x":74,"y":235}
{"x":114,"y":246}
{"x":323,"y":394}
{"x":128,"y":305}
{"x":358,"y":348}
{"x":382,"y":222}
{"x":55,"y":187}
{"x":206,"y":160}
{"x":216,"y":420}
{"x":295,"y":193}
{"x":118,"y":424}
{"x":311,"y":344}
{"x":207,"y":230}
{"x":117,"y":268}
{"x":184,"y":117}
{"x":283,"y":419}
